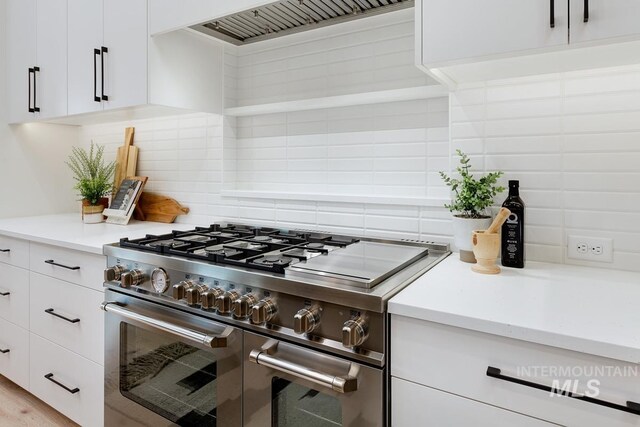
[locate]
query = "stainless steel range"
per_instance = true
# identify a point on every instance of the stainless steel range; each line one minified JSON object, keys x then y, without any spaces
{"x":233,"y":325}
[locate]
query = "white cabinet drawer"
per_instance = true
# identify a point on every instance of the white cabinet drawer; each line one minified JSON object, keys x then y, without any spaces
{"x":455,"y":360}
{"x":415,"y":405}
{"x":83,"y":401}
{"x":14,"y":251}
{"x":68,"y":315}
{"x":14,"y":295}
{"x":66,"y":264}
{"x":14,"y":353}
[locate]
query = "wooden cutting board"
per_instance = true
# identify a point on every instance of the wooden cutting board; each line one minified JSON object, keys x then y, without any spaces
{"x":157,"y":208}
{"x":122,"y":158}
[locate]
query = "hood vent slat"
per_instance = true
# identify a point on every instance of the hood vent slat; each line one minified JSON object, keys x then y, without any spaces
{"x":290,"y":16}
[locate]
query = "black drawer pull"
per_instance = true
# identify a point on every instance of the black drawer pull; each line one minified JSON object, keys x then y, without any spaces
{"x":52,"y":262}
{"x":586,"y":11}
{"x":5,"y":351}
{"x":5,"y":250}
{"x":630,"y":407}
{"x":53,"y":313}
{"x":49,"y":376}
{"x":96,"y":52}
{"x":552,"y":12}
{"x":5,"y":294}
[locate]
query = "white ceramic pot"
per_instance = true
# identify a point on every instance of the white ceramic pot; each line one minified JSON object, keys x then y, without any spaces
{"x":463,"y":229}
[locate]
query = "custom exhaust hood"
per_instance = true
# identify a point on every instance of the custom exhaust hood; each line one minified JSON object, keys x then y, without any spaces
{"x":291,"y":16}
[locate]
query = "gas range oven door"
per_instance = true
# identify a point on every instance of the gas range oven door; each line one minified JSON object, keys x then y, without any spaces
{"x":165,"y":367}
{"x":288,"y":385}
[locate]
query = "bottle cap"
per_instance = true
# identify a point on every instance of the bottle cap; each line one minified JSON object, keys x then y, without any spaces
{"x":514,"y":184}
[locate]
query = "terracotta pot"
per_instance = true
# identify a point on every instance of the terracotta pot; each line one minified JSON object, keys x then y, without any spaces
{"x":463,"y":229}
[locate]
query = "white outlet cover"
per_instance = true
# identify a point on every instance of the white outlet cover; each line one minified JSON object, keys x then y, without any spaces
{"x":575,"y":242}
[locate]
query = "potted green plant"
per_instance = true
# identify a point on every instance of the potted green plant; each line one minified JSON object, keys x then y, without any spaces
{"x":471,"y":198}
{"x":94,"y":180}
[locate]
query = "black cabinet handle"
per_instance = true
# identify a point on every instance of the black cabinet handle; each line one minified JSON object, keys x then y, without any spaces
{"x":35,"y":90}
{"x":53,"y":313}
{"x":52,"y":262}
{"x":552,"y":13}
{"x":586,"y":11}
{"x":31,"y":72}
{"x":630,"y":407}
{"x":49,"y":376}
{"x":104,"y":51}
{"x":96,"y":52}
{"x":5,"y":294}
{"x":5,"y":351}
{"x":7,"y":250}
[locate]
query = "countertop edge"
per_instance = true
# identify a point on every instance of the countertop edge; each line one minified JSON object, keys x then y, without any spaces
{"x":566,"y":342}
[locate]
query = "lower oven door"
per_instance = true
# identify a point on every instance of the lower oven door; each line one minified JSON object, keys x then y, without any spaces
{"x":288,"y":385}
{"x":165,"y":367}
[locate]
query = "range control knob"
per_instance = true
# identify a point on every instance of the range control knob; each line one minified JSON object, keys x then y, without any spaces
{"x":242,"y":306}
{"x":355,"y":332}
{"x":113,"y":273}
{"x":194,"y":293}
{"x":263,"y":311}
{"x":131,"y":278}
{"x":208,"y":298}
{"x":180,"y":289}
{"x":224,"y":303}
{"x":306,"y":320}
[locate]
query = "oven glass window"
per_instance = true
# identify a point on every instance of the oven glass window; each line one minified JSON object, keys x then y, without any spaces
{"x":294,"y":405}
{"x":168,"y":377}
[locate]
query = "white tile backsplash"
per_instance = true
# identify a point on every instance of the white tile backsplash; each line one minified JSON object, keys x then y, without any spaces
{"x":573,"y":141}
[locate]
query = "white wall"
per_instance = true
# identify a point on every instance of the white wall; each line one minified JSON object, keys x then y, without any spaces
{"x":33,"y":177}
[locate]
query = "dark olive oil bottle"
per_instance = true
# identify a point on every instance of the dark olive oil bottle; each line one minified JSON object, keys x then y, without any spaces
{"x":513,"y":229}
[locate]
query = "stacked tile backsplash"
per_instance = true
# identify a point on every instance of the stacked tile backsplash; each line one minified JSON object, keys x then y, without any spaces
{"x":572,"y":139}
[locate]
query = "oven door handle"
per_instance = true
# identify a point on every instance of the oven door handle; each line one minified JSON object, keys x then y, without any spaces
{"x":344,"y":384}
{"x":213,"y":341}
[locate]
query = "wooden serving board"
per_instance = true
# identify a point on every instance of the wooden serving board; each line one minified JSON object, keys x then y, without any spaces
{"x":157,"y":208}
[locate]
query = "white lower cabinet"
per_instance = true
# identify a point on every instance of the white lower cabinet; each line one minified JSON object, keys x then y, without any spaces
{"x":68,"y":382}
{"x":458,"y":361}
{"x":68,"y":315}
{"x":14,"y":353}
{"x":416,"y":405}
{"x":51,"y":326}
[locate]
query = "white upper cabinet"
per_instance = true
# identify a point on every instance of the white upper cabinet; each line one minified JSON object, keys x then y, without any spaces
{"x":52,"y":58}
{"x":107,"y":54}
{"x":461,"y":29}
{"x":469,"y":40}
{"x":604,"y":19}
{"x":21,"y":52}
{"x":168,"y":15}
{"x":85,"y":42}
{"x":37,"y":53}
{"x":125,"y":58}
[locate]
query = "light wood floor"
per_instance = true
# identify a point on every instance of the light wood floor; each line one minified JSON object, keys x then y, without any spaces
{"x":18,"y":407}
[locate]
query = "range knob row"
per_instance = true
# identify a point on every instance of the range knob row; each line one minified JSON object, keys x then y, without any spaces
{"x":126,"y":278}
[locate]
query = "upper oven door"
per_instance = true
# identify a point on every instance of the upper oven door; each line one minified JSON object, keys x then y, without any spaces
{"x":165,"y":367}
{"x":287,"y":385}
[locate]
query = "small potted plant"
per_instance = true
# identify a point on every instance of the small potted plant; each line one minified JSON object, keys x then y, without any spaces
{"x":93,"y":179}
{"x":471,"y":199}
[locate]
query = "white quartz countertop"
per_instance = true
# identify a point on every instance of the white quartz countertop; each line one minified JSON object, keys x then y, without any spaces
{"x":68,"y":230}
{"x":589,"y":310}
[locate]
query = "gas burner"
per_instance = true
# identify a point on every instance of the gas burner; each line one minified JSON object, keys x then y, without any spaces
{"x":273,"y":260}
{"x":268,"y":239}
{"x":194,"y":238}
{"x":169,"y":243}
{"x":223,"y":235}
{"x":252,"y":246}
{"x":315,"y":246}
{"x":218,"y":250}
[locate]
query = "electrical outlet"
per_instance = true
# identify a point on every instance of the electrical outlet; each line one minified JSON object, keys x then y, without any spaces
{"x":590,"y":248}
